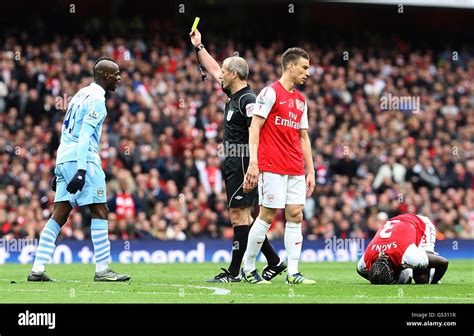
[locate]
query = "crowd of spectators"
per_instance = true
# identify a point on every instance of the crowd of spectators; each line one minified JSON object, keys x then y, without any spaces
{"x":161,"y":142}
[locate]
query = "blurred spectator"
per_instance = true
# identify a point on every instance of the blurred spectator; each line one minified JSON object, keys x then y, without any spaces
{"x":388,"y":174}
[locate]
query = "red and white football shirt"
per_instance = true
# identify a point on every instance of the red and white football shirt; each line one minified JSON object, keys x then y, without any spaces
{"x":125,"y":205}
{"x":398,"y":238}
{"x":279,"y":149}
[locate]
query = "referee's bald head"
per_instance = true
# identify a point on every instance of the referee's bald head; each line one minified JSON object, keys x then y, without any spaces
{"x":239,"y":65}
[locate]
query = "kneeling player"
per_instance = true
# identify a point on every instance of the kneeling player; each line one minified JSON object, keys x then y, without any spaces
{"x":402,"y":249}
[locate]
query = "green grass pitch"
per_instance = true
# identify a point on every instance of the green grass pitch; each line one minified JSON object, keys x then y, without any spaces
{"x":184,"y":283}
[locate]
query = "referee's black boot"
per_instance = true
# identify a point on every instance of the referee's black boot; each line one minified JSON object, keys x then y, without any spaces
{"x":225,"y":276}
{"x":270,"y":272}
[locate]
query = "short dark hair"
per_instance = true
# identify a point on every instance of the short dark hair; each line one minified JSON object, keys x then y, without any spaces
{"x":292,"y":55}
{"x":97,"y":62}
{"x":103,"y":59}
{"x":382,"y":271}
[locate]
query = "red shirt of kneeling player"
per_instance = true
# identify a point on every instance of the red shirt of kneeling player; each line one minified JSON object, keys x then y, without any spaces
{"x":402,"y":249}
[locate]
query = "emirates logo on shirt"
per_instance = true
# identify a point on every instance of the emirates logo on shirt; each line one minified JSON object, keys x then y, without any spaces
{"x":291,"y":121}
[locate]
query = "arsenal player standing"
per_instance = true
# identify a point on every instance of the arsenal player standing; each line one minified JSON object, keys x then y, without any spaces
{"x":279,"y":151}
{"x":238,"y":113}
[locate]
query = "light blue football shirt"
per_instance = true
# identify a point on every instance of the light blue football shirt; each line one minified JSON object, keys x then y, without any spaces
{"x":87,"y":106}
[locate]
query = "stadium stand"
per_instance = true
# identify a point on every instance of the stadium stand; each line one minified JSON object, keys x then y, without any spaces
{"x":161,"y":141}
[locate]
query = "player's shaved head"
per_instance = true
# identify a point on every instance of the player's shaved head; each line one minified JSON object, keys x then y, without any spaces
{"x":106,"y":73}
{"x":105,"y":65}
{"x":237,"y":64}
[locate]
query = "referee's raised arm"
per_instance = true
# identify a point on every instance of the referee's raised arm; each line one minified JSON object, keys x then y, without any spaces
{"x":204,"y":57}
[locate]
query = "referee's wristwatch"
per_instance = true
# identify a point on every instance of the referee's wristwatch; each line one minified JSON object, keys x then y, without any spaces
{"x":199,"y":47}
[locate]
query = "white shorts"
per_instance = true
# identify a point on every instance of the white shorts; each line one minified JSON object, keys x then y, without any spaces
{"x":415,"y":257}
{"x":275,"y":190}
{"x":428,"y":240}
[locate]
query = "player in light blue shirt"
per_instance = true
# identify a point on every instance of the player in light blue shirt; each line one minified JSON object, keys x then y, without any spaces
{"x":79,"y":178}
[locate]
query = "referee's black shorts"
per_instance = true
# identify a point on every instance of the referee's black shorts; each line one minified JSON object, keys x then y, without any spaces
{"x":234,"y":173}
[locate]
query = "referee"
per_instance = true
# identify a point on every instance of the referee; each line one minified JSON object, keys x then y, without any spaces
{"x":237,"y":118}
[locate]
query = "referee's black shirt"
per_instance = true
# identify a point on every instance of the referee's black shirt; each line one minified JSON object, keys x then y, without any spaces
{"x":238,"y":116}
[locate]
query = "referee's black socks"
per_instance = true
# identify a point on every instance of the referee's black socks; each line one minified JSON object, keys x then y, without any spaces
{"x":269,"y":253}
{"x":239,"y":245}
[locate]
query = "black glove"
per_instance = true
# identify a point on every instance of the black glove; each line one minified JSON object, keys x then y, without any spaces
{"x":77,"y":182}
{"x":53,"y":183}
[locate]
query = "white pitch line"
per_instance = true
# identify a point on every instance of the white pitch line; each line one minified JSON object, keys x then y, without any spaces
{"x":25,"y":290}
{"x":224,"y":291}
{"x":94,"y":291}
{"x":112,"y":292}
{"x":217,"y":290}
{"x":85,"y":292}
